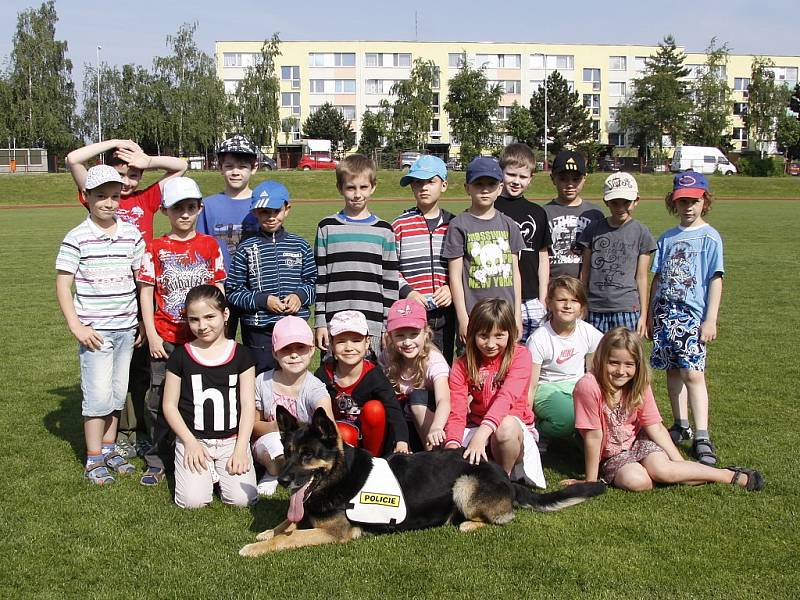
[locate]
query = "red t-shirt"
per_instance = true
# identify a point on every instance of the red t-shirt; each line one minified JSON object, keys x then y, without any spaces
{"x":174,"y":267}
{"x":138,"y":209}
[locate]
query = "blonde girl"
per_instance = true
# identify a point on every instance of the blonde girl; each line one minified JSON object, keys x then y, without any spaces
{"x":561,"y":352}
{"x":489,"y":395}
{"x":417,"y":370}
{"x":625,"y":442}
{"x":209,"y":403}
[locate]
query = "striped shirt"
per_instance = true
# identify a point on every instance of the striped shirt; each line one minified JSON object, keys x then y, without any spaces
{"x":356,"y":269}
{"x":103,"y":266}
{"x":419,"y":252}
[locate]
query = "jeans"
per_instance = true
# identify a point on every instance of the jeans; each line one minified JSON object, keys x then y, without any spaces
{"x":104,"y":373}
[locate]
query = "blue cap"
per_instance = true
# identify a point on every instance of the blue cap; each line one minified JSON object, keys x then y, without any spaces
{"x":269,"y":194}
{"x":484,"y":166}
{"x":689,"y":184}
{"x":425,"y":167}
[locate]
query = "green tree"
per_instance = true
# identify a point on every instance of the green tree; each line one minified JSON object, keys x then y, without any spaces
{"x":660,"y":102}
{"x":788,"y":133}
{"x":110,"y":84}
{"x":328,"y":123}
{"x":519,"y":124}
{"x":767,"y":102}
{"x":471,"y":105}
{"x":412,"y":111}
{"x":710,"y":121}
{"x":40,"y":82}
{"x":6,"y":127}
{"x":287,"y":126}
{"x":568,"y":122}
{"x":258,"y":97}
{"x":375,"y":127}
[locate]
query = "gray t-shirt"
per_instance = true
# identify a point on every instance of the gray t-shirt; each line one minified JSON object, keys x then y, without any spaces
{"x":566,"y":224}
{"x":488,"y":247}
{"x":612,"y":268}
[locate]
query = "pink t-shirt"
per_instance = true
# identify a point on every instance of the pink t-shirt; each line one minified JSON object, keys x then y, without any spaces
{"x":437,"y":367}
{"x":619,"y":428}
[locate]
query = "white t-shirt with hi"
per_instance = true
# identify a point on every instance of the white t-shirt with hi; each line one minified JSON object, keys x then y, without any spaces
{"x":563,"y":358}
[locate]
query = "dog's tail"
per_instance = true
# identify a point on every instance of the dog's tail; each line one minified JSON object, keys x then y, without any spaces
{"x":563,"y":498}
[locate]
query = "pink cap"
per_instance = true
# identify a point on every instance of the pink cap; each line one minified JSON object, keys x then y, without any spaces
{"x":349,"y":320}
{"x":291,"y":330}
{"x":406,"y":313}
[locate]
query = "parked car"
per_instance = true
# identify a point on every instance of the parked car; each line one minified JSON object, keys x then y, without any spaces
{"x":267,"y":164}
{"x":406,"y":159}
{"x":609,"y":164}
{"x":316,"y":161}
{"x":454,"y":164}
{"x":793,"y":168}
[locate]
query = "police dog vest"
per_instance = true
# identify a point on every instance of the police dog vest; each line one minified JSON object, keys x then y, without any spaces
{"x":380,"y":501}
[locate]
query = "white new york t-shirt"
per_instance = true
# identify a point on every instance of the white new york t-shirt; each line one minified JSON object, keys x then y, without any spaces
{"x":563,"y":358}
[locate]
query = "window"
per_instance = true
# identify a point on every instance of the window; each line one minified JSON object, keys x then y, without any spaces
{"x":639,"y":63}
{"x":592,"y":103}
{"x":230,"y":85}
{"x":454,"y":60}
{"x":551,"y":62}
{"x":613,"y":115}
{"x":503,"y":113}
{"x":539,"y":83}
{"x":331,"y":59}
{"x":740,"y":108}
{"x":616,"y":88}
{"x":436,"y":83}
{"x":617,"y":63}
{"x":740,"y":135}
{"x":380,"y":86}
{"x":785,"y":75}
{"x":592,"y":76}
{"x":291,"y":74}
{"x":741,"y":84}
{"x":345,"y":86}
{"x":508,"y":86}
{"x":616,"y":139}
{"x":402,"y":60}
{"x":435,"y":103}
{"x":348,"y":112}
{"x":232,"y":59}
{"x":694,"y":71}
{"x":373,"y":59}
{"x":344,"y":59}
{"x":291,"y":100}
{"x":435,"y":126}
{"x":498,"y":61}
{"x":333,"y":86}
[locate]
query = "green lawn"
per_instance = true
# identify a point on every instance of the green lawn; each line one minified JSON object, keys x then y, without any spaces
{"x":63,"y":538}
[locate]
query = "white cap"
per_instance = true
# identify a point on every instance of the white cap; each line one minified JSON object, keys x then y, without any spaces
{"x":620,"y":185}
{"x":100,"y":174}
{"x":177,"y":189}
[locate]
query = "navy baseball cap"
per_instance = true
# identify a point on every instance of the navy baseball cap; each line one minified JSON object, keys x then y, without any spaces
{"x":269,"y":194}
{"x":425,"y":167}
{"x":237,"y":144}
{"x":569,"y":161}
{"x":484,"y":166}
{"x":689,"y":185}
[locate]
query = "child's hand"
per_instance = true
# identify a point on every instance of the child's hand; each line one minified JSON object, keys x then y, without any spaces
{"x":321,"y":338}
{"x":442,"y":296}
{"x":462,"y":332}
{"x":87,"y":336}
{"x":157,"y":348}
{"x":402,"y":448}
{"x":708,"y":331}
{"x":476,"y":449}
{"x":239,"y":463}
{"x":291,"y":304}
{"x":566,"y":482}
{"x":275,"y":305}
{"x":134,"y":158}
{"x":518,"y":319}
{"x":642,"y":328}
{"x":435,"y":438}
{"x":418,"y":298}
{"x":195,"y":456}
{"x":141,"y":336}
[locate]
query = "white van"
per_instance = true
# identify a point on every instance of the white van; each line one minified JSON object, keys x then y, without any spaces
{"x":703,"y":159}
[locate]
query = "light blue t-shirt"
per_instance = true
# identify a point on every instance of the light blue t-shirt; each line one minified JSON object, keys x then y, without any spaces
{"x":229,"y":221}
{"x":687,"y":259}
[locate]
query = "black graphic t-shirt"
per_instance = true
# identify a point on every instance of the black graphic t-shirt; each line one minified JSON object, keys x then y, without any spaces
{"x":566,"y":225}
{"x":209,"y":400}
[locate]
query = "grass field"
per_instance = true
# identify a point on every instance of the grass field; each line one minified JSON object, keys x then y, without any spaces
{"x":63,"y":538}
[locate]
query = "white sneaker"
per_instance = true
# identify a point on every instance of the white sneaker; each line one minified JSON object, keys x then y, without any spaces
{"x":267,"y":485}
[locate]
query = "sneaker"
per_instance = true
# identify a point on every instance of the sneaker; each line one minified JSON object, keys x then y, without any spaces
{"x":680,"y":434}
{"x":125,"y":449}
{"x":142,"y":447}
{"x":267,"y":485}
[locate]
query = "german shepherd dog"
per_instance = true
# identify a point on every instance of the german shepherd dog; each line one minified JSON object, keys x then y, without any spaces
{"x":322,"y":475}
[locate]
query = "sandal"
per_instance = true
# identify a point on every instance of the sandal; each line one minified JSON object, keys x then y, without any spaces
{"x":705,"y":452}
{"x":98,"y":474}
{"x":118,"y":463}
{"x":680,"y":434}
{"x":755,"y":480}
{"x":152,"y":476}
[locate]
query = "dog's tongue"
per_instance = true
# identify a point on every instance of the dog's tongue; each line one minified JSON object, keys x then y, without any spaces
{"x":296,"y":510}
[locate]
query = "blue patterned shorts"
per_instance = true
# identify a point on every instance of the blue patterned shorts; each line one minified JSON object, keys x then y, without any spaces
{"x":607,"y":321}
{"x":676,"y":339}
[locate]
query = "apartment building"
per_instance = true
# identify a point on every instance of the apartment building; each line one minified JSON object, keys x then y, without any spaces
{"x":355,"y":76}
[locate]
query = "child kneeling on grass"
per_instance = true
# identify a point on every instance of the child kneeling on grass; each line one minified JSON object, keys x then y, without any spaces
{"x":625,"y":442}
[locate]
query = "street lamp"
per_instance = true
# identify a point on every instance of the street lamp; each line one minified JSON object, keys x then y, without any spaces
{"x":544,"y":65}
{"x":99,"y":123}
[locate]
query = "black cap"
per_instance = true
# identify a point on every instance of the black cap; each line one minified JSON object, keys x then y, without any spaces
{"x":237,"y":144}
{"x":569,"y":161}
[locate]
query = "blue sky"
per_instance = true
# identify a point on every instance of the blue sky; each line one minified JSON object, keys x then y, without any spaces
{"x":136,"y":31}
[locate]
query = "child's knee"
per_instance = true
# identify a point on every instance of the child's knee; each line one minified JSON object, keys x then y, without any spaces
{"x":633,"y":479}
{"x":373,"y":412}
{"x":508,"y":430}
{"x":693,"y":377}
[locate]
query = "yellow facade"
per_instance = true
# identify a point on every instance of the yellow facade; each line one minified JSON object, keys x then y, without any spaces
{"x":356,"y":75}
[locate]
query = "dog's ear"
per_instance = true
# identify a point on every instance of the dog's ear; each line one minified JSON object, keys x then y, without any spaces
{"x":286,"y":421}
{"x":322,"y":423}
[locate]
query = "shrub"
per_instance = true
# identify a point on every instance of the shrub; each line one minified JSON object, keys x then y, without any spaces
{"x":755,"y":166}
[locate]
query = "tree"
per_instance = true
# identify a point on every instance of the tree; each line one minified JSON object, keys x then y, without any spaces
{"x":287,"y":127}
{"x":471,"y":105}
{"x":767,"y":103}
{"x":519,"y":124}
{"x":40,"y":82}
{"x":375,"y":127}
{"x":788,"y":133}
{"x":110,"y":84}
{"x":568,"y":122}
{"x":710,"y":122}
{"x":328,"y":123}
{"x":258,"y":97}
{"x":660,"y":101}
{"x":412,"y":111}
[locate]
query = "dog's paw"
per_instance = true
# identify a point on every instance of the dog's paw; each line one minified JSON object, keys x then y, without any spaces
{"x":266,"y":535}
{"x":251,"y":550}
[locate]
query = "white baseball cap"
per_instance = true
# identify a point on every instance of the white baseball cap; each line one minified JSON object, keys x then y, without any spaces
{"x":100,"y":174}
{"x":620,"y":185}
{"x":177,"y":189}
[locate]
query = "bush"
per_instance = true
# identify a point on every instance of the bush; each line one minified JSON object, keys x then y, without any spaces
{"x":755,"y":166}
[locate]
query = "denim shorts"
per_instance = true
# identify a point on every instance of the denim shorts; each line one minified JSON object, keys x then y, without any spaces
{"x":533,"y":312}
{"x":676,"y":339}
{"x":104,"y":373}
